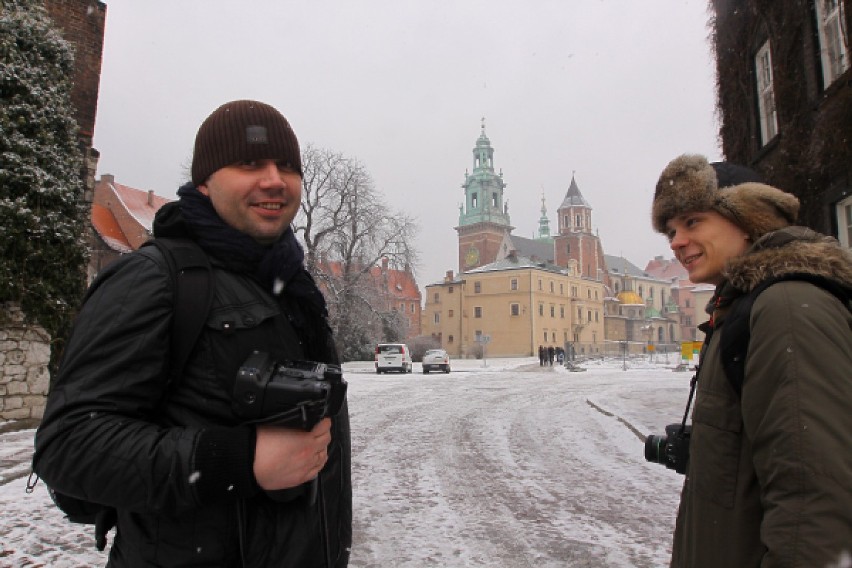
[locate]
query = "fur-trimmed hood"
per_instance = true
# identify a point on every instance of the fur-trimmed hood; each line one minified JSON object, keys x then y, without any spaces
{"x":787,"y":251}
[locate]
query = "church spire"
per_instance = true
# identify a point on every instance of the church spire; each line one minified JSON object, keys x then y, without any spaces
{"x":483,"y":187}
{"x":543,"y":221}
{"x":575,"y":214}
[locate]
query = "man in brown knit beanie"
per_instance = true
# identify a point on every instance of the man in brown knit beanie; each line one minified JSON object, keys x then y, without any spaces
{"x":190,"y":479}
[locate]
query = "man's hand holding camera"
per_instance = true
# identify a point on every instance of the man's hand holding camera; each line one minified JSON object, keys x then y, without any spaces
{"x":286,"y":457}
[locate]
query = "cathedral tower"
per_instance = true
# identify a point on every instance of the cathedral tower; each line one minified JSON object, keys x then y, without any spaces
{"x":484,"y":216}
{"x":575,"y":240}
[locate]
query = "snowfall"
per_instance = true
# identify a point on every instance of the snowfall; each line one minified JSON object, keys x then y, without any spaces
{"x":500,"y":463}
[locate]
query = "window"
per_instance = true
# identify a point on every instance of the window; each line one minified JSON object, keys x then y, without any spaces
{"x":765,"y":94}
{"x":539,"y":285}
{"x":552,"y":311}
{"x":402,"y":307}
{"x":412,"y":308}
{"x":437,"y":297}
{"x":551,"y":287}
{"x":450,"y":290}
{"x":833,"y":44}
{"x":513,"y":284}
{"x":477,"y":287}
{"x":844,"y":222}
{"x":589,"y":294}
{"x":449,"y":339}
{"x":450,"y":313}
{"x":686,"y":303}
{"x":473,"y":200}
{"x":515,"y":309}
{"x":568,"y":248}
{"x":589,"y":315}
{"x":596,"y":316}
{"x":494,"y":201}
{"x":562,"y":312}
{"x":477,"y":312}
{"x":541,"y":309}
{"x":561,"y":291}
{"x":437,"y":318}
{"x":573,"y":291}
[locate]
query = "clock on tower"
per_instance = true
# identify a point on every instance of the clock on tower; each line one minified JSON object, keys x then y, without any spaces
{"x":472,"y":256}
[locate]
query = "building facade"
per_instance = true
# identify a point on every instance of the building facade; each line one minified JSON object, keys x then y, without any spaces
{"x":510,"y":307}
{"x":785,"y":100}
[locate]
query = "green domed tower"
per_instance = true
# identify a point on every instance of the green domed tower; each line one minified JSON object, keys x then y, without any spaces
{"x":484,"y":216}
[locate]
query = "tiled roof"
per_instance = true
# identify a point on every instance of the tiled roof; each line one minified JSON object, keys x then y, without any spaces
{"x":109,"y":230}
{"x":142,"y":205}
{"x":621,"y":265}
{"x":542,"y":250}
{"x":666,"y":269}
{"x":401,"y":284}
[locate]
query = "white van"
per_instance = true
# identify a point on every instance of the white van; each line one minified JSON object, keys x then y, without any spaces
{"x":393,"y":357}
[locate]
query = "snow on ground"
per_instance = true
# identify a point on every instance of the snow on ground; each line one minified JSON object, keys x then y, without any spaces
{"x":500,"y":463}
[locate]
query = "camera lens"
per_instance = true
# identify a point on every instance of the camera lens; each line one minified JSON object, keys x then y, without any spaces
{"x":655,"y":449}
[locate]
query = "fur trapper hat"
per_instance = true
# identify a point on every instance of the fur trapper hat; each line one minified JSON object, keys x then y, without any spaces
{"x":690,"y":184}
{"x":239,"y":131}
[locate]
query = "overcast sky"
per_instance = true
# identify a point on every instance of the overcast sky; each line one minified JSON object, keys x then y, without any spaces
{"x":606,"y":90}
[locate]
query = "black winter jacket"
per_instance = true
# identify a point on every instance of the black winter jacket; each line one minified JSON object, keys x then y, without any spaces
{"x":174,"y":460}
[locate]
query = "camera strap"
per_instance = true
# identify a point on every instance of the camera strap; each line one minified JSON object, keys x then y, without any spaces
{"x":692,"y":383}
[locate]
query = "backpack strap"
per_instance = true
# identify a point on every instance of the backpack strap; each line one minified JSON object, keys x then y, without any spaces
{"x":736,"y":331}
{"x":191,"y":275}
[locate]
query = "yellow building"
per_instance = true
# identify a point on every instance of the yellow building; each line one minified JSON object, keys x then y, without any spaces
{"x":512,"y":306}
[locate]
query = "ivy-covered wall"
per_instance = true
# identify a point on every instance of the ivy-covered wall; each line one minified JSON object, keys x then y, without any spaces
{"x":811,"y":156}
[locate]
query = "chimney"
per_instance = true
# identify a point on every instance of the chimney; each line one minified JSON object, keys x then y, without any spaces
{"x":108,"y":179}
{"x":384,"y":264}
{"x":150,"y":198}
{"x":449,"y":276}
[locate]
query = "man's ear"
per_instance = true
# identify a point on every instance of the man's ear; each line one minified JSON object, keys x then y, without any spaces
{"x":203,"y":189}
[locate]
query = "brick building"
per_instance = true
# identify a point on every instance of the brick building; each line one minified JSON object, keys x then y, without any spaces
{"x":785,"y":100}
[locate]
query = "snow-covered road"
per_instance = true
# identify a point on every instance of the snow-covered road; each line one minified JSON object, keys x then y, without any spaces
{"x":504,"y":465}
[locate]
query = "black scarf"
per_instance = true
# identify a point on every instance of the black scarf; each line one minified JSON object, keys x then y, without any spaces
{"x":274,"y":266}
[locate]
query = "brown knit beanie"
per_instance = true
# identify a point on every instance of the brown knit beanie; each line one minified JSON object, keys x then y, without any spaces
{"x":239,"y":131}
{"x":690,"y":184}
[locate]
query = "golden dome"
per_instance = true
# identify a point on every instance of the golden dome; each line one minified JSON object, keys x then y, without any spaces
{"x":630,"y":298}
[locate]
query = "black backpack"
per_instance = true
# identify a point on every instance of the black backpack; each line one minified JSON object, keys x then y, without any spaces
{"x":193,"y":294}
{"x":736,"y":332}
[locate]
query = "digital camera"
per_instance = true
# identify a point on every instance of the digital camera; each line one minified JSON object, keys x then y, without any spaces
{"x":671,"y":450}
{"x":293,"y":394}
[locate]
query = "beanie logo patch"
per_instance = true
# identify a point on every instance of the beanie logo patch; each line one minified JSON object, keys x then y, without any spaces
{"x":256,"y":135}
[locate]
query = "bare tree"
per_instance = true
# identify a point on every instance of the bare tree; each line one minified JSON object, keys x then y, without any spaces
{"x":347,"y":230}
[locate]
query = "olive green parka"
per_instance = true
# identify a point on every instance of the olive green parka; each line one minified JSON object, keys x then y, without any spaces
{"x":769,"y":481}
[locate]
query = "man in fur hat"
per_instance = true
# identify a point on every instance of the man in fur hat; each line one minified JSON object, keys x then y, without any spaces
{"x":769,"y":480}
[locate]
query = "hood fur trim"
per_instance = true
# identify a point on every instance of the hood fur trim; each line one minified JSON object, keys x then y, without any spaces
{"x":788,"y":251}
{"x":689,"y":184}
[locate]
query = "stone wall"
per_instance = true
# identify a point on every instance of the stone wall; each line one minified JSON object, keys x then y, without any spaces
{"x":24,"y":358}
